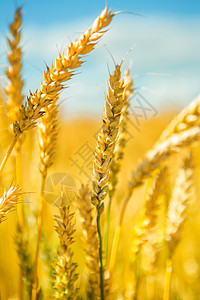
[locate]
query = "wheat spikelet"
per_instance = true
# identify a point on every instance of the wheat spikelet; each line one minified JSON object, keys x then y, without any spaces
{"x":160,"y":152}
{"x":8,"y":201}
{"x":186,"y":119}
{"x":121,"y":141}
{"x":178,"y":205}
{"x":48,"y":131}
{"x":15,"y":85}
{"x":107,"y":137}
{"x":65,"y":274}
{"x":55,"y":76}
{"x":91,"y":241}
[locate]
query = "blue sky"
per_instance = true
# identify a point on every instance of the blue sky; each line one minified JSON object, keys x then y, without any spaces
{"x":167,"y":48}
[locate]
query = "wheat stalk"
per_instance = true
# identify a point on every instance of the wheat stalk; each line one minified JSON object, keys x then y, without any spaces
{"x":25,"y":260}
{"x":48,"y":131}
{"x":91,"y":241}
{"x":61,"y":72}
{"x":152,"y":161}
{"x":105,"y":149}
{"x":15,"y":85}
{"x":65,"y":269}
{"x":178,"y":205}
{"x":144,"y":242}
{"x":122,"y":138}
{"x":55,"y":76}
{"x":118,"y":154}
{"x":176,"y":216}
{"x":107,"y":137}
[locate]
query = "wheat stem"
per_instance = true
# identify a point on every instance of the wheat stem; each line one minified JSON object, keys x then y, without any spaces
{"x":39,"y":232}
{"x":168,"y":277}
{"x":20,"y":208}
{"x":6,"y":157}
{"x":117,"y":235}
{"x":118,"y":155}
{"x":101,"y":271}
{"x":107,"y":228}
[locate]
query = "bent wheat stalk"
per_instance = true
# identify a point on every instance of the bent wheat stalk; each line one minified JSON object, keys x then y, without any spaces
{"x":177,"y":213}
{"x":55,"y":76}
{"x":152,"y":161}
{"x":144,"y":248}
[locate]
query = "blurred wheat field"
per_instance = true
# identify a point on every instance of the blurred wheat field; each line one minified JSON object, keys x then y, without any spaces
{"x":60,"y":178}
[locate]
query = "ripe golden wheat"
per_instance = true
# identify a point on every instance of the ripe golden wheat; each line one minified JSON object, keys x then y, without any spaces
{"x":107,"y":259}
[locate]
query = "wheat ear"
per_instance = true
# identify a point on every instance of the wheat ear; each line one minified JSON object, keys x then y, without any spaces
{"x":118,"y":152}
{"x":152,"y":161}
{"x":122,"y":138}
{"x":105,"y":149}
{"x":177,"y":213}
{"x":65,"y":269}
{"x":8,"y":201}
{"x":107,"y":137}
{"x":187,"y":118}
{"x":61,"y":72}
{"x":55,"y":76}
{"x":15,"y":85}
